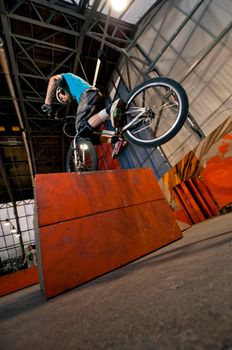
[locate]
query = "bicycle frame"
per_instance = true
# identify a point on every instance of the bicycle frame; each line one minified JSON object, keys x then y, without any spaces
{"x":109,"y":134}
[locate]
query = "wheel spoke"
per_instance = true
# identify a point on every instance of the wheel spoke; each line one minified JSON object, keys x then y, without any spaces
{"x":165,"y":104}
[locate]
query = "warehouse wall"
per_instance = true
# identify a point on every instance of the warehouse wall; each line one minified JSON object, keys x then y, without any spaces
{"x":200,"y":57}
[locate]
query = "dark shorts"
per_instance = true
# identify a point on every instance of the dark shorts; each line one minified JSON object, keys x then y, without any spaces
{"x":91,"y":102}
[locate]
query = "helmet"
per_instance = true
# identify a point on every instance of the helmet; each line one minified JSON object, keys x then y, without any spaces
{"x":61,"y":90}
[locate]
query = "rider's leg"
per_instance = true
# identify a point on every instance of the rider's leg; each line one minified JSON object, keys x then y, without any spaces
{"x":115,"y":112}
{"x":87,"y":127}
{"x":88,"y":106}
{"x":98,"y":118}
{"x":89,"y":103}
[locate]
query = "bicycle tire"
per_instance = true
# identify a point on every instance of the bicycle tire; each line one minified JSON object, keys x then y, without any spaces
{"x":86,"y":150}
{"x":174,"y":94}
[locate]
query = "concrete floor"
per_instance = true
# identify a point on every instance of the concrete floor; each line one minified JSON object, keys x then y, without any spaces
{"x":179,"y":297}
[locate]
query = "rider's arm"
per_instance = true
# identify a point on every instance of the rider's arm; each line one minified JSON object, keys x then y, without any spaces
{"x":52,"y":85}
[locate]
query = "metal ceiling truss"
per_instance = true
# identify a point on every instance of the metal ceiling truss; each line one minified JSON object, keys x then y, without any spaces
{"x":43,"y":38}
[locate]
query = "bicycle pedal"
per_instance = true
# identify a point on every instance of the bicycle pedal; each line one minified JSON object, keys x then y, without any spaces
{"x":118,"y":148}
{"x":114,"y":154}
{"x":114,"y":139}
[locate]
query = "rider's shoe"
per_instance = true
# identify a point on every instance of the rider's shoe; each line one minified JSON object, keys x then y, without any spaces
{"x":117,"y":115}
{"x":119,"y":146}
{"x":85,"y":130}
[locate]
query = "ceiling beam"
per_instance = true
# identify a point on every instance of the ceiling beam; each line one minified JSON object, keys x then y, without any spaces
{"x":67,"y":9}
{"x":44,"y":25}
{"x":4,"y":63}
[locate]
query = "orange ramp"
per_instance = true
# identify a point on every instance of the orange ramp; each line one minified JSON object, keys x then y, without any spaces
{"x":90,"y":224}
{"x":18,"y":280}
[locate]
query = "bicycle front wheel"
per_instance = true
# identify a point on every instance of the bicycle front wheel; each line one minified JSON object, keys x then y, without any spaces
{"x":156,"y":111}
{"x":81,"y":157}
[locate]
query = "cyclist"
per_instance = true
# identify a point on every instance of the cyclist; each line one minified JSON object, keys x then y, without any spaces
{"x":89,"y":115}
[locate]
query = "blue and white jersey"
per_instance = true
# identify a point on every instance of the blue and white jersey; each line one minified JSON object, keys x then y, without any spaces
{"x":76,"y":85}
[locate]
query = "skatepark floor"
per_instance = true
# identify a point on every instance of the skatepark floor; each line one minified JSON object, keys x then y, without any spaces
{"x":179,"y":297}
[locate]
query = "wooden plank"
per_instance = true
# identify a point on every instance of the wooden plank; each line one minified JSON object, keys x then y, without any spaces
{"x":66,"y":196}
{"x":79,"y":250}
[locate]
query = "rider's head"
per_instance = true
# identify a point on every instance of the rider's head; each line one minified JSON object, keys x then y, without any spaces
{"x":62,"y":96}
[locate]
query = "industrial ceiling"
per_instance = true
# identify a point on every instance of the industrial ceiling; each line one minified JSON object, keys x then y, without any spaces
{"x":41,"y":38}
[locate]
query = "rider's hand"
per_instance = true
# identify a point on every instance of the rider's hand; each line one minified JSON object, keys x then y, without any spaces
{"x":47,"y":108}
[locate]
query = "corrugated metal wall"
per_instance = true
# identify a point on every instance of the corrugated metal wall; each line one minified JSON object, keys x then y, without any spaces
{"x":189,"y":41}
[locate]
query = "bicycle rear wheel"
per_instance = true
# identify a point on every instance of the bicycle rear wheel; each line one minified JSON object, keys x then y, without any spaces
{"x":82,"y":157}
{"x":161,"y":108}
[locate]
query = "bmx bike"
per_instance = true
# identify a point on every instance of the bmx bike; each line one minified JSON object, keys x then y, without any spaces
{"x":155,"y":112}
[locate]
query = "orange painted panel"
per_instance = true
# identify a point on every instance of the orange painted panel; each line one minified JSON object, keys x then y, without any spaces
{"x":186,"y":201}
{"x":206,"y":196}
{"x":18,"y":280}
{"x":181,"y":215}
{"x":194,"y":197}
{"x":78,"y":250}
{"x":65,"y":196}
{"x":194,"y":201}
{"x":199,"y":200}
{"x":218,"y":178}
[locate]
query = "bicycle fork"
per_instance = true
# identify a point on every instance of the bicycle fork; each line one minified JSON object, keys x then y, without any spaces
{"x":77,"y":159}
{"x":75,"y":153}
